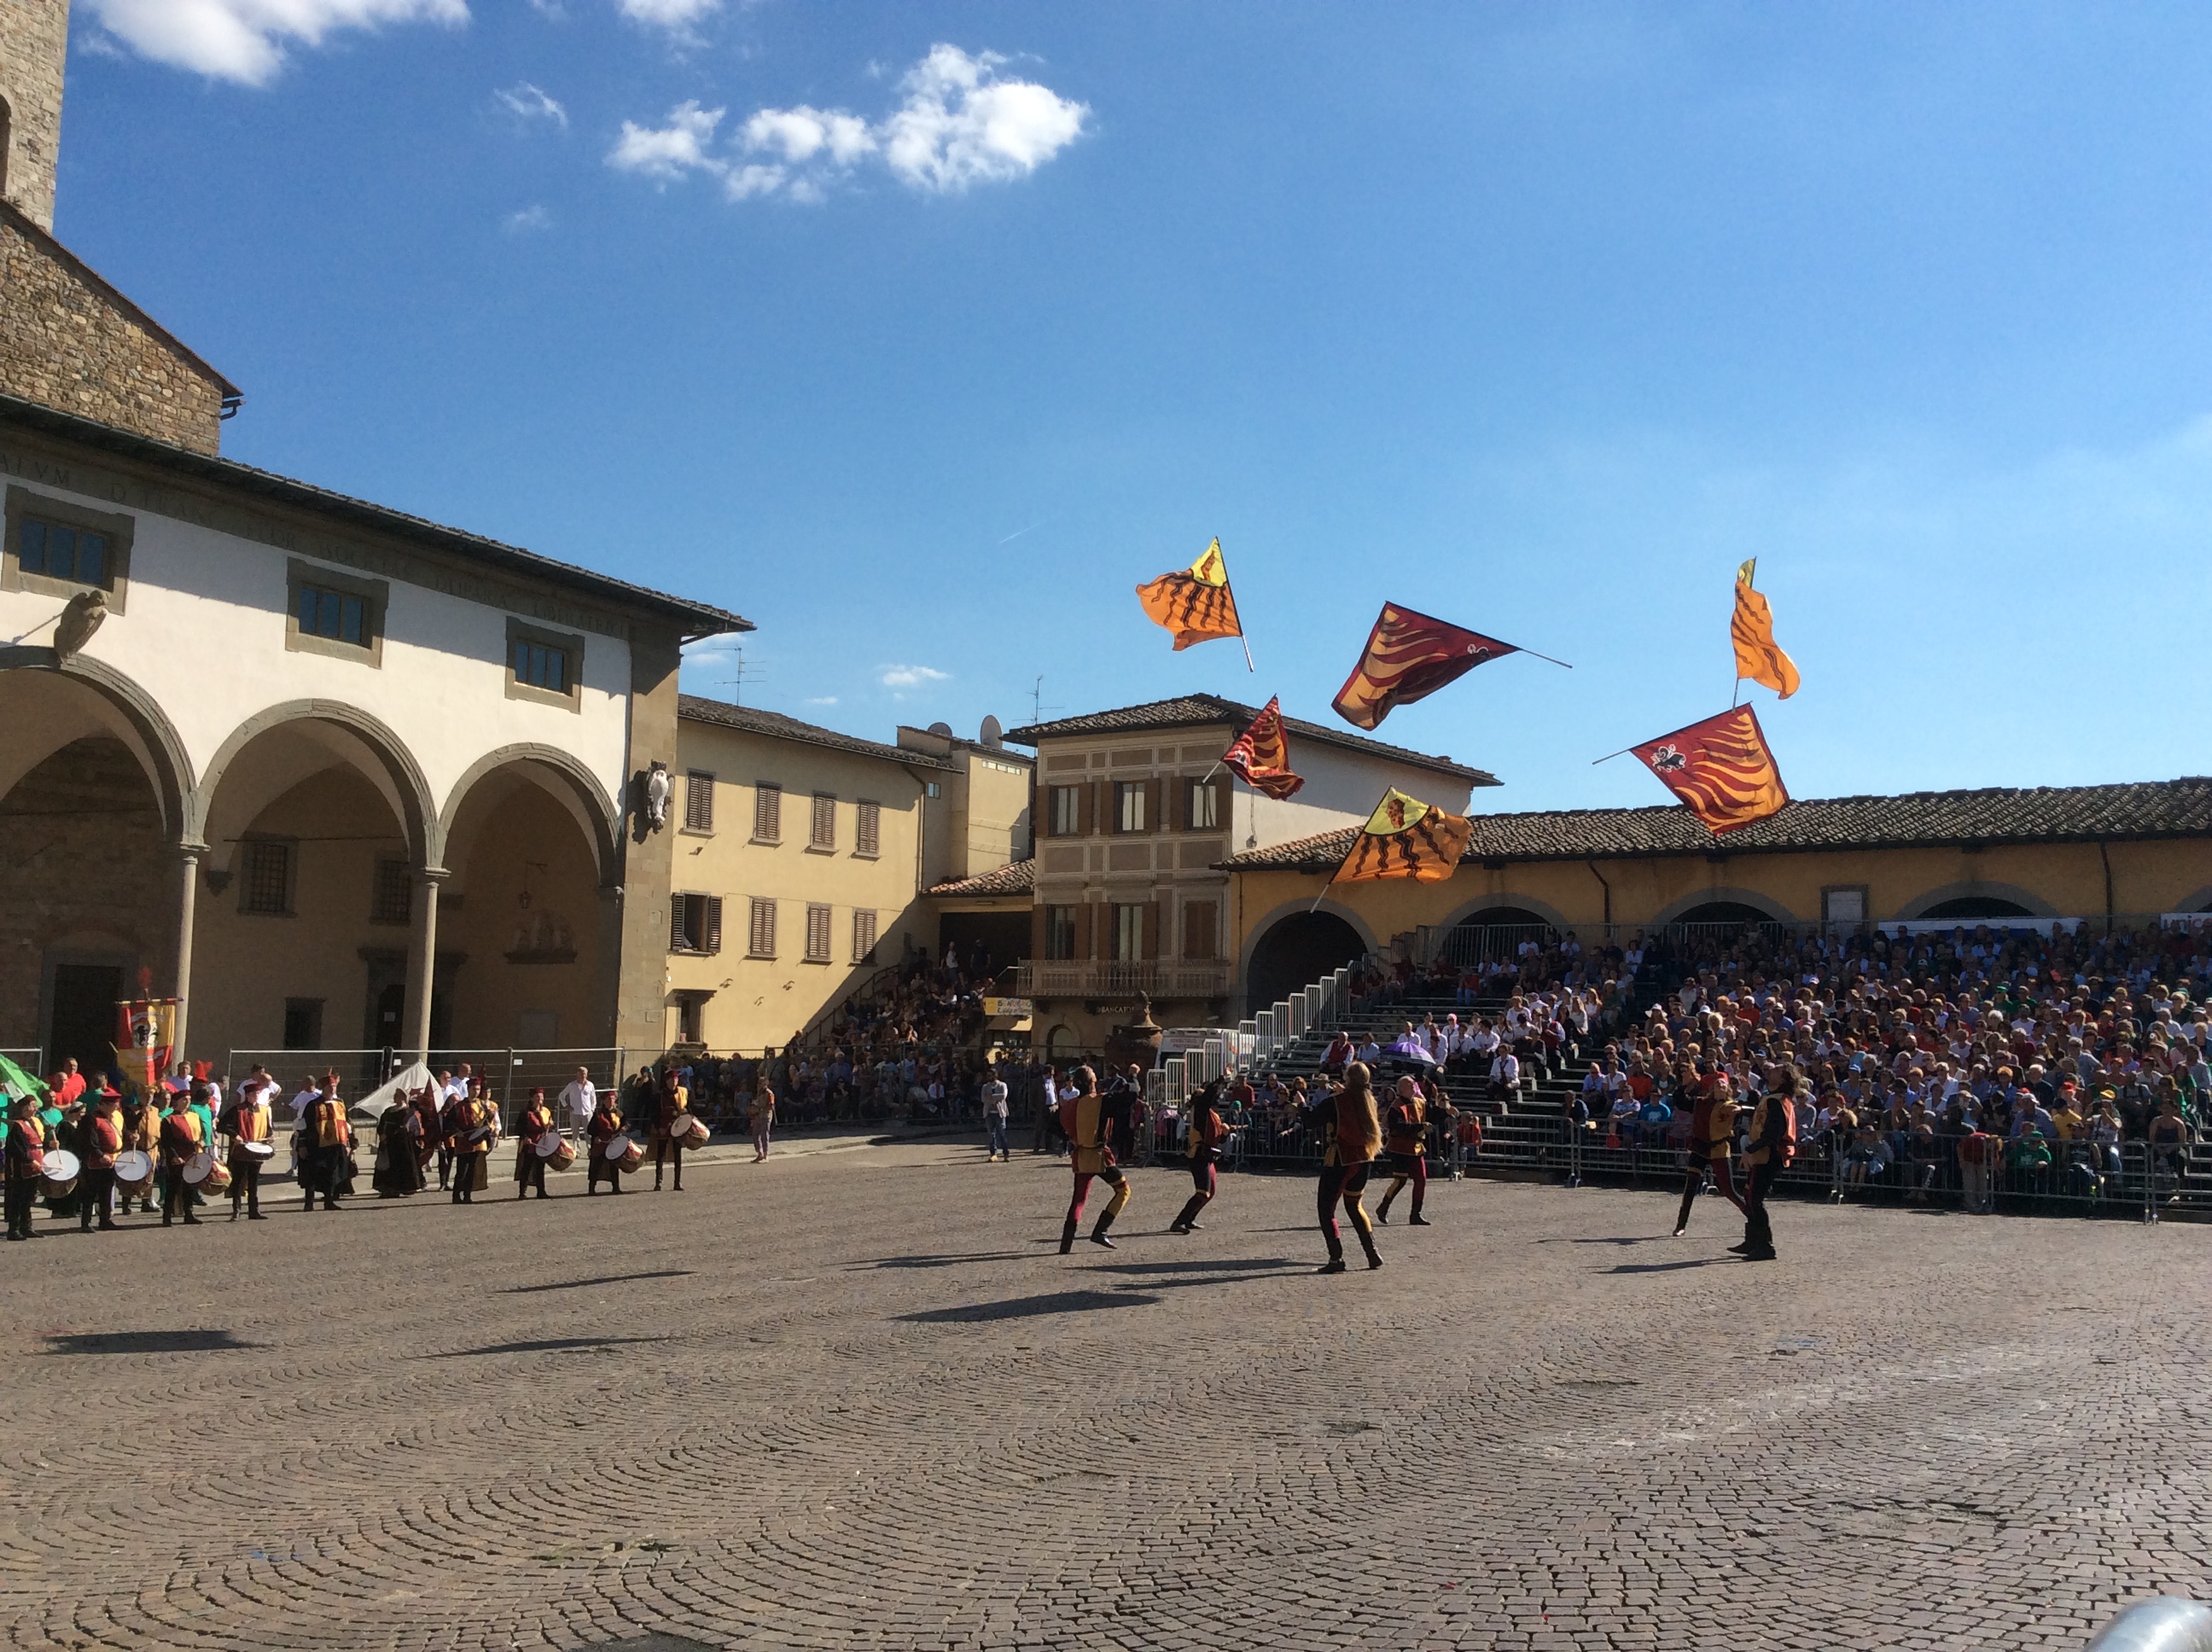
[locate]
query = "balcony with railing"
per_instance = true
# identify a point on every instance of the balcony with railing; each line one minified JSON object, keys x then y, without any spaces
{"x":1160,"y":979}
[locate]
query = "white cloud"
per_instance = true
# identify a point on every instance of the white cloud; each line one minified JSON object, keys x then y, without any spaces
{"x":530,"y":218}
{"x":959,"y":124}
{"x":244,"y":40}
{"x":676,"y":15}
{"x":911,"y":676}
{"x":669,"y":151}
{"x":527,"y":103}
{"x":823,"y":700}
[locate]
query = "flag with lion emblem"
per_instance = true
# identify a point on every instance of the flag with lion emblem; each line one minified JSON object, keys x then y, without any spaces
{"x":1407,"y":838}
{"x":1720,"y":767}
{"x":1197,"y":605}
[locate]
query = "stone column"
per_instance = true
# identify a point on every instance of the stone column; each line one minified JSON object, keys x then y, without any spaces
{"x":181,"y":977}
{"x":423,"y":959}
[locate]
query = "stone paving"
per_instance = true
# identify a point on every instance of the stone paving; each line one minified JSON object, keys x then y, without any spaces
{"x":855,"y":1399}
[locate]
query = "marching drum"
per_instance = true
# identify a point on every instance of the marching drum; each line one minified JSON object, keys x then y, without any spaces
{"x":264,"y":1150}
{"x":557,"y":1153}
{"x":623,"y":1153}
{"x":484,"y":1133}
{"x":690,"y":1131}
{"x":199,"y":1168}
{"x":59,"y":1176}
{"x":134,"y":1173}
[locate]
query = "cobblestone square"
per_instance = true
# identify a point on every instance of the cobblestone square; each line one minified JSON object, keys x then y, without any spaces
{"x":855,"y":1398}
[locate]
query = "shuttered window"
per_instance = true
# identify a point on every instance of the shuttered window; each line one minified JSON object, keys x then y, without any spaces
{"x":1128,"y":932}
{"x":1200,"y":931}
{"x":695,"y":923}
{"x":698,"y":801}
{"x":768,"y":812}
{"x":817,"y":932}
{"x":763,"y":942}
{"x":1059,"y":932}
{"x":1129,"y":806}
{"x":868,"y":836}
{"x":864,"y":936}
{"x":821,"y":834}
{"x":1202,"y":806}
{"x":1066,"y":811}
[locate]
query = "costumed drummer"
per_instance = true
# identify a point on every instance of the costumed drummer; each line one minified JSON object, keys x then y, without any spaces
{"x":182,"y":1141}
{"x":1406,"y":1138}
{"x":1083,"y":1116}
{"x":101,"y":1134}
{"x":25,"y":1152}
{"x":142,"y":1134}
{"x":398,"y":1171}
{"x":670,"y":1099}
{"x":605,"y":1125}
{"x":529,"y":1130}
{"x":250,"y":1129}
{"x":476,"y":1120}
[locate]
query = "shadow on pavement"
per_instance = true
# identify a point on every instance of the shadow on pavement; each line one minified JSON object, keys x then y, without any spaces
{"x":609,"y":1278}
{"x":1225,"y":1265}
{"x":144,"y":1342}
{"x":1667,"y":1267}
{"x":1023,"y":1308}
{"x":549,"y":1345}
{"x":938,"y":1262}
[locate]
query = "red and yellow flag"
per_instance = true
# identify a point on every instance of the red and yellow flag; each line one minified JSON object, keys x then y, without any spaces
{"x":1720,"y":767}
{"x":1407,"y":838}
{"x":1758,"y":657}
{"x":1409,"y":656}
{"x":1197,"y":606}
{"x":1261,"y":757}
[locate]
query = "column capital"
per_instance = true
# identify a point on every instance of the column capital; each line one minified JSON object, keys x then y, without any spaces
{"x":430,"y":874}
{"x":191,"y":849}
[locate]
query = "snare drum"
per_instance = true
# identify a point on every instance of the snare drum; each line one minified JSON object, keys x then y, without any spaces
{"x":59,"y":1178}
{"x":218,"y":1178}
{"x":199,"y":1168}
{"x":557,"y":1153}
{"x":690,"y":1131}
{"x":261,"y":1150}
{"x":624,"y":1154}
{"x":134,"y":1173}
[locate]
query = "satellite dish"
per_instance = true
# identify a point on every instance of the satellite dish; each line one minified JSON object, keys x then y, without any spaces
{"x":992,"y":735}
{"x":944,"y":729}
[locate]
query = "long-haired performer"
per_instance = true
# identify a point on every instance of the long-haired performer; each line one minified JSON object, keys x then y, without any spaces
{"x":1207,"y":1134}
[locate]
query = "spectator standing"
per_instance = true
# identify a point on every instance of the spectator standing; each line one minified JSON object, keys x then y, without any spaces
{"x":995,"y":1119}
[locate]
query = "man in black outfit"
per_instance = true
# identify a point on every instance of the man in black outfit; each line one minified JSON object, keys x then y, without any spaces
{"x":1773,"y":1144}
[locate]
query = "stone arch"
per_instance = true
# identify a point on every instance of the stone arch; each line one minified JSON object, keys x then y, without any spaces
{"x":1676,"y":912}
{"x":1478,"y":911}
{"x":2030,"y":904}
{"x":1296,"y":945}
{"x":403,"y":776}
{"x":594,"y":810}
{"x":157,"y":745}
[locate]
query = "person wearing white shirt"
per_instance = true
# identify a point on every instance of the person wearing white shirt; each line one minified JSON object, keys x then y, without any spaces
{"x":995,"y":1119}
{"x":580,"y":1099}
{"x":307,"y":1095}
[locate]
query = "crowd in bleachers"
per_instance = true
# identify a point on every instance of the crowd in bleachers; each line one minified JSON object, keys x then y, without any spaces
{"x":1970,"y":1060}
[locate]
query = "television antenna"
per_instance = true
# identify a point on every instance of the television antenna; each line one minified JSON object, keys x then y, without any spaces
{"x":1037,"y":706}
{"x":745,"y":673}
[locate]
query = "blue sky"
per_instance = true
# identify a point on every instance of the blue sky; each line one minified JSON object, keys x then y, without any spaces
{"x":1537,"y":318}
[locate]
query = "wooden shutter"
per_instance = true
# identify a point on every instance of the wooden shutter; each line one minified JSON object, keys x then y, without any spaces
{"x":1156,"y":804}
{"x":864,"y":935}
{"x":763,"y":929}
{"x":868,"y":829}
{"x":1152,"y":929}
{"x":1083,"y":927}
{"x":1036,"y":931}
{"x":821,"y":830}
{"x":767,"y":812}
{"x":1102,"y":806}
{"x":1224,"y":797}
{"x":714,"y":936}
{"x":676,"y":922}
{"x":699,"y":801}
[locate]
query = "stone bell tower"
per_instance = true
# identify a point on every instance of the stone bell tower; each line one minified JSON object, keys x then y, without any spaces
{"x":33,"y":46}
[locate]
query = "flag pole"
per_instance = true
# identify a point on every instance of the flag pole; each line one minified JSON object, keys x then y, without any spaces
{"x":1610,"y":756}
{"x":1534,"y":654}
{"x":1241,"y":637}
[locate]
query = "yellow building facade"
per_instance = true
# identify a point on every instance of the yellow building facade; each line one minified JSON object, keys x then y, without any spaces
{"x":2061,"y":852}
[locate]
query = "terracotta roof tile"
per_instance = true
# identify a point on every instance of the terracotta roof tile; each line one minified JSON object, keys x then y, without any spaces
{"x":750,"y":719}
{"x":2042,"y":814}
{"x":1193,"y":710}
{"x":1016,"y":877}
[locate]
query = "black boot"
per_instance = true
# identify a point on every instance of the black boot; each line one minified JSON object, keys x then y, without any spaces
{"x":1067,"y":1236}
{"x":1374,"y":1256}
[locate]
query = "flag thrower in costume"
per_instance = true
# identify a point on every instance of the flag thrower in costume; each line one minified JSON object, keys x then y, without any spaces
{"x":1720,"y":767}
{"x":1197,"y":605}
{"x":1262,"y":756}
{"x":1752,"y":630}
{"x":1405,"y":838}
{"x":1410,"y":656}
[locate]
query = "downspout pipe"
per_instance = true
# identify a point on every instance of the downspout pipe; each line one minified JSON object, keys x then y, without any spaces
{"x":2108,"y":860}
{"x":1607,"y":887}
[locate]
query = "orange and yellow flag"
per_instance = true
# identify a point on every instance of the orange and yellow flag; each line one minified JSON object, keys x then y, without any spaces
{"x":1720,"y":767}
{"x":1197,"y":606}
{"x":1407,"y":838}
{"x":1752,"y":630}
